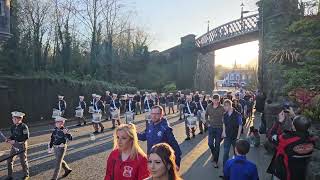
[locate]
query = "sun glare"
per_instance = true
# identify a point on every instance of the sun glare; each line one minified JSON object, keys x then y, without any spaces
{"x":243,"y":54}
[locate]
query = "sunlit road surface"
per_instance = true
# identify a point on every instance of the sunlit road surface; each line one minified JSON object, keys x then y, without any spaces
{"x":87,"y":158}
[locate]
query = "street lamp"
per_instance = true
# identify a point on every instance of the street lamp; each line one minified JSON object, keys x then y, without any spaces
{"x":242,"y":11}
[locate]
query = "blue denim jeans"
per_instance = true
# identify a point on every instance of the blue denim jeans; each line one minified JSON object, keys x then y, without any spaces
{"x":226,"y":147}
{"x":214,"y":140}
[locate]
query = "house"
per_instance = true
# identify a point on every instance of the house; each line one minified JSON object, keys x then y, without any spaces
{"x":238,"y":76}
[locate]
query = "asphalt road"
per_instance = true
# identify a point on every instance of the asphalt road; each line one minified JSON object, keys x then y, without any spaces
{"x":87,"y":158}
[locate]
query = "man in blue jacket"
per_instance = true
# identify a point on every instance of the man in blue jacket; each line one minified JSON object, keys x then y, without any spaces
{"x":159,"y":131}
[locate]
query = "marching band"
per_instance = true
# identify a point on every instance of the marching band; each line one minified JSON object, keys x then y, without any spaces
{"x":194,"y":109}
{"x":191,"y":108}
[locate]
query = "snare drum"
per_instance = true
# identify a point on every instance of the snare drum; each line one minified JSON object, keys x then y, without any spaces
{"x":56,"y":113}
{"x":129,"y":117}
{"x":191,"y":121}
{"x":91,"y":109}
{"x":79,"y":113}
{"x":115,"y":114}
{"x":96,"y":117}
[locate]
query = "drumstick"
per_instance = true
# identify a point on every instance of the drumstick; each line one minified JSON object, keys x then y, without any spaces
{"x":14,"y":154}
{"x":4,"y":137}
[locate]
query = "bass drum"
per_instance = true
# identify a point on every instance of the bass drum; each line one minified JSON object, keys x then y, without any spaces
{"x":96,"y":117}
{"x":91,"y":109}
{"x":192,"y":121}
{"x":56,"y":113}
{"x":129,"y":117}
{"x":79,"y":113}
{"x":115,"y":114}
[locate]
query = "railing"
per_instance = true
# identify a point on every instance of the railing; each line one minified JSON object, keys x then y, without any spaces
{"x":232,"y":29}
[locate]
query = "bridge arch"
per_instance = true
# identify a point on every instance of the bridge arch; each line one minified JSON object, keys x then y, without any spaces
{"x":232,"y":33}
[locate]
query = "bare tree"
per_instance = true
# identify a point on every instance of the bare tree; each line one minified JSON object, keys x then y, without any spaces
{"x":63,"y":40}
{"x":35,"y":18}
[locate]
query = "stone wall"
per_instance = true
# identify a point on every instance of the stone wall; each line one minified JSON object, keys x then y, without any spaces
{"x":36,"y":97}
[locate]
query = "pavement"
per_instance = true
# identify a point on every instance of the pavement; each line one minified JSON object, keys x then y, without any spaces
{"x":87,"y":157}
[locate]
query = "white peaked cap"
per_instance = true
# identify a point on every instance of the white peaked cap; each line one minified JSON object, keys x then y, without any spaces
{"x":98,"y":96}
{"x":94,"y":95}
{"x":17,"y":114}
{"x":59,"y":119}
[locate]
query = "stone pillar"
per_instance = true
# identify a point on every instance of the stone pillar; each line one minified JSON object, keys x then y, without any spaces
{"x":187,"y":62}
{"x":204,"y":76}
{"x":4,"y":19}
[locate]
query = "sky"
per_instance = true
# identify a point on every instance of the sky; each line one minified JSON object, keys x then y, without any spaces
{"x":168,"y":20}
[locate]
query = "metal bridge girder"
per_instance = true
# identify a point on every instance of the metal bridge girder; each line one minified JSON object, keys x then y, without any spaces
{"x":229,"y":30}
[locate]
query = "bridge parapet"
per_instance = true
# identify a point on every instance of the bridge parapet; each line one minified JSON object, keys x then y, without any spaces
{"x":229,"y":30}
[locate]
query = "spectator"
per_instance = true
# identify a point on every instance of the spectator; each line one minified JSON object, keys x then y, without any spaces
{"x":284,"y":123}
{"x":161,"y":163}
{"x":159,"y":131}
{"x":232,"y":126}
{"x":239,"y":168}
{"x":127,"y":161}
{"x":294,"y":149}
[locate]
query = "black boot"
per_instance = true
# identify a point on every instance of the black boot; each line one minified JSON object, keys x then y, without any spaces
{"x":66,"y":173}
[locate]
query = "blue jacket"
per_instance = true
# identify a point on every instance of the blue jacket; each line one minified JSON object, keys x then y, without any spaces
{"x":161,"y":133}
{"x":239,"y":168}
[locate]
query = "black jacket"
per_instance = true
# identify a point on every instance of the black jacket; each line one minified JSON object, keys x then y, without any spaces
{"x":58,"y":137}
{"x":19,"y":133}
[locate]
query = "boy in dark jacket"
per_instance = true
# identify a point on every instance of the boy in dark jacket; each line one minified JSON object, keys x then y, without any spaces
{"x":59,"y":139}
{"x":239,"y":168}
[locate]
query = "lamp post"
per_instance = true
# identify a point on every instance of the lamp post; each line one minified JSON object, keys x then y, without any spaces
{"x":242,"y":13}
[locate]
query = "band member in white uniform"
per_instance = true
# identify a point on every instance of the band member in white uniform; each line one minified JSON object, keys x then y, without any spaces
{"x":81,"y":106}
{"x":137,"y":99}
{"x":115,"y":107}
{"x":148,"y":104}
{"x":201,"y":109}
{"x":131,"y":106}
{"x":93,"y":99}
{"x":61,"y":105}
{"x":98,"y":108}
{"x":107,"y":100}
{"x":190,"y":109}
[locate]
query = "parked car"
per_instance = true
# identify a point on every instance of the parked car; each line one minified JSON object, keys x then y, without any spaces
{"x":222,"y":93}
